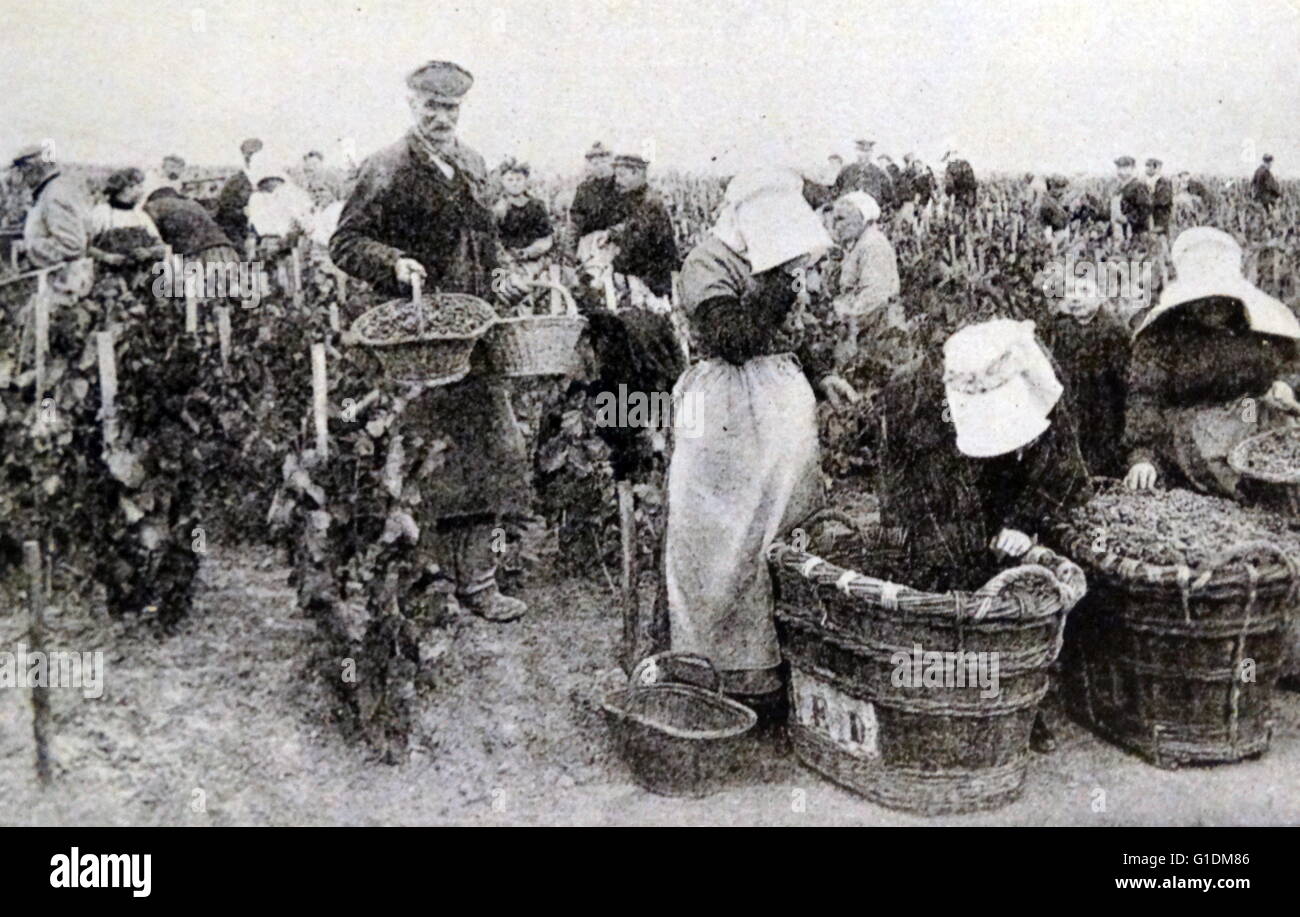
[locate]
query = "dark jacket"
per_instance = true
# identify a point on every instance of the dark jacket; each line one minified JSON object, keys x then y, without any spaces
{"x":921,"y":183}
{"x":646,"y":242}
{"x":1264,"y":187}
{"x":404,"y":206}
{"x":597,"y":205}
{"x":1094,"y":361}
{"x":857,"y":176}
{"x":184,"y":224}
{"x":941,"y":509}
{"x":1052,"y":212}
{"x":1162,"y":202}
{"x":1135,"y":204}
{"x":1202,"y":353}
{"x":523,"y":225}
{"x":959,"y":182}
{"x":231,"y":214}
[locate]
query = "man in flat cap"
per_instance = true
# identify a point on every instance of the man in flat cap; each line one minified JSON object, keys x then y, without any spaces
{"x":865,"y":175}
{"x":959,"y":180}
{"x":1162,"y":196}
{"x":420,"y":208}
{"x":1264,"y":187}
{"x":232,"y":202}
{"x":646,"y":243}
{"x":597,"y":205}
{"x":1130,"y":205}
{"x":57,"y":227}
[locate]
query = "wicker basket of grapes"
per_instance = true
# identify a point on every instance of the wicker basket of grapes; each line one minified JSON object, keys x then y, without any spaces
{"x":426,"y":339}
{"x":1269,"y":465}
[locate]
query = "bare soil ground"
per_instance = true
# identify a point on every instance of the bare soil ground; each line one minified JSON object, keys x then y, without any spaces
{"x":225,"y":723}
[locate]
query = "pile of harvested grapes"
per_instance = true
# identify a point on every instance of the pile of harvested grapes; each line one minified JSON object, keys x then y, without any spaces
{"x":444,"y":315}
{"x":1276,"y":454}
{"x":1170,"y":527}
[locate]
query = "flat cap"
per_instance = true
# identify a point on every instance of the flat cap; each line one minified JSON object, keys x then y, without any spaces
{"x":598,"y":151}
{"x":1268,"y":157}
{"x":864,"y":144}
{"x":1156,"y":163}
{"x":441,"y":79}
{"x":631,"y":159}
{"x":1125,"y":161}
{"x":250,"y":146}
{"x":30,"y":151}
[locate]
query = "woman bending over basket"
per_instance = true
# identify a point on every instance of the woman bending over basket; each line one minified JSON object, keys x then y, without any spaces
{"x":977,"y":460}
{"x":745,"y":462}
{"x":1207,"y":369}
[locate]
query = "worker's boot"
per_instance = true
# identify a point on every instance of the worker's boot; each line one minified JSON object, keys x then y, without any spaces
{"x":490,"y":604}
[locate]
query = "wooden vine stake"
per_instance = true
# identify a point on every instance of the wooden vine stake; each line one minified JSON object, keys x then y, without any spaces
{"x":320,"y":396}
{"x":611,"y":292}
{"x":223,"y":335}
{"x":41,"y":347}
{"x":297,"y":275}
{"x":36,"y":638}
{"x":191,"y":305}
{"x":107,"y":385}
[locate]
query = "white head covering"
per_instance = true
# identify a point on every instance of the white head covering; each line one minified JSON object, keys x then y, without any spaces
{"x":865,"y":203}
{"x":1000,"y":386}
{"x":1208,"y":263}
{"x":765,"y":218}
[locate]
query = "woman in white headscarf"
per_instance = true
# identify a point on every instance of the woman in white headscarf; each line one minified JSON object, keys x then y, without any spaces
{"x":745,"y":463}
{"x":1209,"y":368}
{"x":868,"y":291}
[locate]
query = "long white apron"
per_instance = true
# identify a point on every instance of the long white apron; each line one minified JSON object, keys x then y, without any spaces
{"x":745,"y":466}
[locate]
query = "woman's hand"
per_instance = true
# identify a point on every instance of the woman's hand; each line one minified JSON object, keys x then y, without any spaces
{"x":1141,"y":476}
{"x":839,"y":393}
{"x":1012,"y":542}
{"x":1282,"y":397}
{"x":405,"y":268}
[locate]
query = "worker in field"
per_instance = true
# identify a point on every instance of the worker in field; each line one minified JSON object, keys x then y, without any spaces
{"x":232,"y":201}
{"x":919,"y":179}
{"x":865,"y":175}
{"x":1213,"y":363}
{"x":1162,"y":195}
{"x":867,"y":286}
{"x":1052,"y":206}
{"x":747,"y":468}
{"x":420,"y":209}
{"x":320,"y":185}
{"x":57,"y":229}
{"x":1264,"y":187}
{"x":959,"y":180}
{"x":523,"y":223}
{"x":597,"y":205}
{"x":1130,"y":205}
{"x":645,"y":245}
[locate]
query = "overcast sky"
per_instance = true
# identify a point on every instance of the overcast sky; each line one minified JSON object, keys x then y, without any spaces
{"x":1050,"y":85}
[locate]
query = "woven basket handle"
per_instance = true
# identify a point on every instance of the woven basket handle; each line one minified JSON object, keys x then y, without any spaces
{"x":570,"y":307}
{"x":1039,"y":564}
{"x":643,"y":675}
{"x":1237,"y":552}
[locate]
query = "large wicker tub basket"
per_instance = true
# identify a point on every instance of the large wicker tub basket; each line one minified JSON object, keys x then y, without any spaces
{"x":859,"y":716}
{"x":425,"y":355}
{"x":1275,"y":490}
{"x":538,"y":345}
{"x":1175,"y":664}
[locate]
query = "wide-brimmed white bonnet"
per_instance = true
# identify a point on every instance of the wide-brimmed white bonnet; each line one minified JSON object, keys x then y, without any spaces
{"x":766,"y":219}
{"x":1207,"y":262}
{"x":1000,"y":386}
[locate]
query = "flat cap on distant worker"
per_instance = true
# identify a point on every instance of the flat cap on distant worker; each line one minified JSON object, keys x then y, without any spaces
{"x":631,"y":159}
{"x":445,"y":81}
{"x":250,"y":146}
{"x":1154,"y":163}
{"x":1125,"y":161}
{"x":864,"y":144}
{"x":1268,"y":157}
{"x":598,"y":151}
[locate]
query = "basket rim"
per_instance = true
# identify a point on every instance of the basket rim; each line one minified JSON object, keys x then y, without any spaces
{"x":982,"y":605}
{"x":1237,"y":459}
{"x":748,"y":718}
{"x":428,"y":338}
{"x":1183,"y":577}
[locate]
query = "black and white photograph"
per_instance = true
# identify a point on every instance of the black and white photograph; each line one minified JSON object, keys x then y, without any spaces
{"x":632,"y":413}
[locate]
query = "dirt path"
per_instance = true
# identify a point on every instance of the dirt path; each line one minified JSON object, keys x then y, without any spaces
{"x":223,"y":724}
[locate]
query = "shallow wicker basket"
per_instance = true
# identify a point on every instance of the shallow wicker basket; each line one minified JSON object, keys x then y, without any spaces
{"x":1278,"y":491}
{"x":1155,"y":655}
{"x":430,"y":358}
{"x":537,"y":345}
{"x":921,"y":748}
{"x":678,"y":739}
